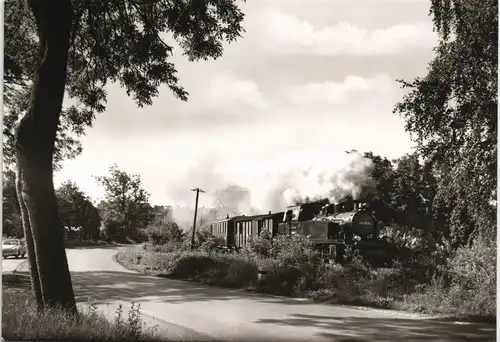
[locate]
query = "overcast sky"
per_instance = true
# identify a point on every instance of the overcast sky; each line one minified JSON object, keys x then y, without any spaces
{"x":308,"y":80}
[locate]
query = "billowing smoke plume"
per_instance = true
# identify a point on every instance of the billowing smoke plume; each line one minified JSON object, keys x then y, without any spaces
{"x":272,"y":190}
{"x":351,"y":177}
{"x":230,"y":201}
{"x":184,"y":216}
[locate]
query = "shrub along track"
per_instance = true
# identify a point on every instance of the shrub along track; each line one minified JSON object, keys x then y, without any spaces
{"x":224,"y":270}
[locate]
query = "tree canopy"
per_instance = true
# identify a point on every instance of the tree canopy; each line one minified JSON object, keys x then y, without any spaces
{"x":125,"y":42}
{"x":125,"y":208}
{"x":79,"y":216}
{"x":452,"y":113}
{"x":11,"y":213}
{"x":414,"y":189}
{"x":90,"y":44}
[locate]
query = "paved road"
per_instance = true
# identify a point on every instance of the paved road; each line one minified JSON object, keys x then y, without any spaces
{"x":198,"y":312}
{"x":10,"y":264}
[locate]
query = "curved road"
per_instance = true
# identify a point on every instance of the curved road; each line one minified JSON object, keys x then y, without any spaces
{"x":198,"y":312}
{"x":10,"y":264}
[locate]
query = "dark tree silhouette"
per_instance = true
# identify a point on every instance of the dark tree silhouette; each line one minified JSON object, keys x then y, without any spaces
{"x":91,"y":43}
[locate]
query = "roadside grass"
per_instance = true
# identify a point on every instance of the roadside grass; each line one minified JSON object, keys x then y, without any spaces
{"x":22,"y":321}
{"x":422,"y":289}
{"x":229,"y":270}
{"x":333,"y":283}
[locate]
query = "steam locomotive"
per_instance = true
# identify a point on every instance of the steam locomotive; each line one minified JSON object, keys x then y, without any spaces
{"x":331,"y":228}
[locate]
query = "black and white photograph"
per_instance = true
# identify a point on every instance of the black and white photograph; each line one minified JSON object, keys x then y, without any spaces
{"x":249,"y":170}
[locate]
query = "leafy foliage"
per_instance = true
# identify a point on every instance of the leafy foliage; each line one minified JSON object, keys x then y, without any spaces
{"x":474,"y":278}
{"x":21,"y":46}
{"x":295,"y":251}
{"x":11,"y":213}
{"x":78,"y":214}
{"x":291,"y":266}
{"x":113,"y":41}
{"x":379,"y":197}
{"x":413,"y":194}
{"x":126,"y":208}
{"x":110,"y":41}
{"x":260,"y":246}
{"x":452,"y":114}
{"x":203,"y":239}
{"x":160,"y":233}
{"x":21,"y":321}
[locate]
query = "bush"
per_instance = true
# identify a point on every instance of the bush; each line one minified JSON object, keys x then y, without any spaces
{"x":231,"y":270}
{"x":259,"y":246}
{"x":291,"y":267}
{"x":111,"y":231}
{"x":196,"y":265}
{"x":242,"y":272}
{"x":203,"y":240}
{"x":464,"y":286}
{"x":296,"y":251}
{"x":473,"y":279}
{"x":281,"y":279}
{"x":223,"y":269}
{"x":161,"y":233}
{"x":169,"y":247}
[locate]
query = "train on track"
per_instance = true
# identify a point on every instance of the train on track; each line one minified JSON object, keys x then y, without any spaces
{"x":331,"y":228}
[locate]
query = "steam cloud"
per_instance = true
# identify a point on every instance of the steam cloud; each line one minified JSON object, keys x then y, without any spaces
{"x":353,"y":176}
{"x":272,"y":190}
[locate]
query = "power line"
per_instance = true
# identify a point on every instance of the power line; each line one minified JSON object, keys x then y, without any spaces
{"x":198,"y":190}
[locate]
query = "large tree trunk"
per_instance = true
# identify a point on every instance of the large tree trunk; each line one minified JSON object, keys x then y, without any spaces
{"x":35,"y":281}
{"x":35,"y":140}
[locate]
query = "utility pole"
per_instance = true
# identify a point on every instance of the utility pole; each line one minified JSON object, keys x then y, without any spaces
{"x":198,"y":190}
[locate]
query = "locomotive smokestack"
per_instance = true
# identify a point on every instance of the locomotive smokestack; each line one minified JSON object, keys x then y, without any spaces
{"x":227,"y":216}
{"x":269,"y":212}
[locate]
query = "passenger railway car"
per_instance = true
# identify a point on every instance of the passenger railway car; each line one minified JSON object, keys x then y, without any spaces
{"x":235,"y":232}
{"x":223,"y":231}
{"x":251,"y":226}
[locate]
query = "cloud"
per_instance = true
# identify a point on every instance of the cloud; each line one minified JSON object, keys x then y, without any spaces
{"x":287,"y":33}
{"x":256,"y":187}
{"x":227,"y":90}
{"x":335,"y":92}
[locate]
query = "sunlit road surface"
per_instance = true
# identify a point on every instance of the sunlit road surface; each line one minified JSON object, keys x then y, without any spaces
{"x":10,"y":264}
{"x":192,"y":311}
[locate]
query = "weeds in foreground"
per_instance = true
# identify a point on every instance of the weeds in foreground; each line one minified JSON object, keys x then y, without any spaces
{"x":22,"y":321}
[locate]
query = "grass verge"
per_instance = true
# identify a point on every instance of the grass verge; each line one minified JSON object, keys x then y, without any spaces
{"x":411,"y":289}
{"x":21,"y":320}
{"x":337,"y":285}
